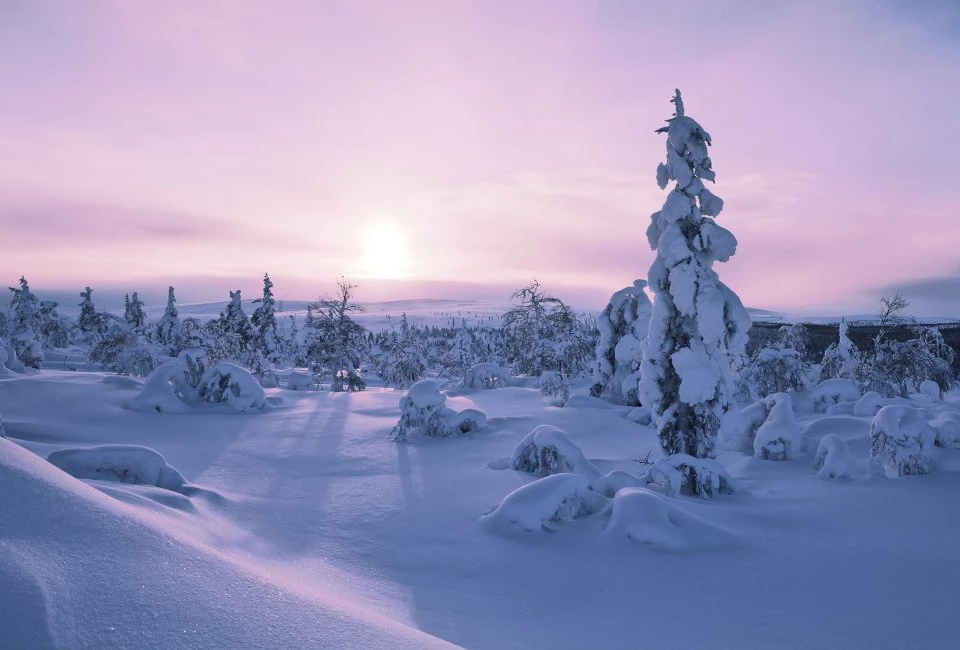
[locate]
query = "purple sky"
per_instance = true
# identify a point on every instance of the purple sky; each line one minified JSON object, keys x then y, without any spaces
{"x":470,"y":146}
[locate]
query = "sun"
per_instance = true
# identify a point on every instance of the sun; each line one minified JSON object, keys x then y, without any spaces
{"x":384,"y":250}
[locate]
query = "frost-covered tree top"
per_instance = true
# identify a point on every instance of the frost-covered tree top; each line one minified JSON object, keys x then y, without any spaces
{"x":171,"y":310}
{"x":698,"y":323}
{"x":88,"y":313}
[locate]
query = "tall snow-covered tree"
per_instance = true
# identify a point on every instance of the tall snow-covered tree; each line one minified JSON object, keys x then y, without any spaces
{"x":53,"y":333}
{"x":534,"y":330}
{"x":841,"y":359}
{"x":335,"y":341}
{"x":88,"y":322}
{"x":622,"y":325}
{"x":133,"y":312}
{"x":267,"y":345}
{"x":23,"y":324}
{"x":697,"y":323}
{"x":169,"y":326}
{"x":402,"y":361}
{"x":235,"y":324}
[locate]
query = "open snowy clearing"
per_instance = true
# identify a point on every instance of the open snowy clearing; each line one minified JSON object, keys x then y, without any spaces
{"x":304,"y":526}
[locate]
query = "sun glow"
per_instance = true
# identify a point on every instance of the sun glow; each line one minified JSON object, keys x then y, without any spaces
{"x":385,"y":250}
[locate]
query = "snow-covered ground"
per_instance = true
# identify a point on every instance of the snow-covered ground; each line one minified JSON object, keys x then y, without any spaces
{"x":304,"y":526}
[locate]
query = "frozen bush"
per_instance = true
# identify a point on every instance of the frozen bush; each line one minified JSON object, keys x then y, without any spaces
{"x":298,"y":380}
{"x":548,"y":450}
{"x":622,"y":326}
{"x":831,"y":392}
{"x":832,"y":459}
{"x":775,"y":370}
{"x":641,"y":515}
{"x":869,"y":404}
{"x":122,"y":463}
{"x":163,"y":391}
{"x":947,"y":428}
{"x":555,"y":387}
{"x":740,"y":431}
{"x":230,"y":384}
{"x":778,"y":438}
{"x":423,"y":412}
{"x":685,"y":474}
{"x":901,"y":441}
{"x":931,"y":389}
{"x":549,"y":500}
{"x":486,"y":376}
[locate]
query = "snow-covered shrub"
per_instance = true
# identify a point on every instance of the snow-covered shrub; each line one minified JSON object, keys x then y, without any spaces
{"x":868,"y":405}
{"x":12,"y":362}
{"x":698,"y":324}
{"x":334,"y":344}
{"x":555,"y":387}
{"x":902,"y":441}
{"x":228,"y":383}
{"x":485,"y":376}
{"x":641,"y":515}
{"x":779,"y":437}
{"x":842,"y":359}
{"x":297,"y":380}
{"x":833,"y":391}
{"x":622,"y":326}
{"x":774,"y":370}
{"x":163,"y":391}
{"x":402,"y":361}
{"x":947,"y":427}
{"x":832,"y":459}
{"x":194,"y":363}
{"x":548,"y":450}
{"x":120,"y":349}
{"x":931,"y":389}
{"x":740,"y":428}
{"x":23,"y":325}
{"x":550,"y":500}
{"x":684,"y":474}
{"x":121,"y":463}
{"x":423,"y":412}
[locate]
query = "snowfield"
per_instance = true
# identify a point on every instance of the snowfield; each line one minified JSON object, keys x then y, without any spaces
{"x":304,"y":526}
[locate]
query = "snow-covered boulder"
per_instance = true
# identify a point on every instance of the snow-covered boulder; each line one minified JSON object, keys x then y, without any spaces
{"x":832,"y":459}
{"x":684,"y":474}
{"x":901,"y":441}
{"x":549,"y":500}
{"x":641,"y":515}
{"x":299,"y":380}
{"x":869,"y":404}
{"x":482,"y":376}
{"x":931,"y":389}
{"x":162,"y":392}
{"x":227,"y":383}
{"x":779,"y":437}
{"x":423,"y":412}
{"x":831,"y":392}
{"x":548,"y":450}
{"x":120,"y":463}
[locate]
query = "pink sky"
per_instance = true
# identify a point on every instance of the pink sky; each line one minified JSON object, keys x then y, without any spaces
{"x":205,"y":142}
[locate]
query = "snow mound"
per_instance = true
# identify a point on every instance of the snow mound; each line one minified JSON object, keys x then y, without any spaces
{"x":227,"y":383}
{"x":298,"y":380}
{"x":548,"y":450}
{"x":946,"y":425}
{"x":121,"y":463}
{"x":684,"y":474}
{"x":161,"y":392}
{"x":869,"y":404}
{"x":831,"y":392}
{"x":122,"y":381}
{"x":832,"y":459}
{"x":549,"y":500}
{"x":778,"y":438}
{"x":641,"y":515}
{"x":901,"y":441}
{"x":612,"y":482}
{"x":423,"y":411}
{"x":485,"y":376}
{"x":12,"y":362}
{"x":640,"y":415}
{"x":931,"y":389}
{"x":739,"y":430}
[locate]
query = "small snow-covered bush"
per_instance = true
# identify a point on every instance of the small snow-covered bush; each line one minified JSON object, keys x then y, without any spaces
{"x":548,"y":450}
{"x":194,"y":363}
{"x":901,"y":441}
{"x":162,"y":391}
{"x":775,"y":370}
{"x":869,"y":404}
{"x":685,"y":474}
{"x":227,"y":383}
{"x":947,"y":427}
{"x":778,"y":438}
{"x":423,"y":412}
{"x":832,"y":459}
{"x":931,"y":389}
{"x":831,"y":392}
{"x":486,"y":376}
{"x":739,"y":431}
{"x":549,"y":500}
{"x":641,"y":515}
{"x":123,"y":463}
{"x":12,"y":362}
{"x":554,"y":386}
{"x":298,"y":380}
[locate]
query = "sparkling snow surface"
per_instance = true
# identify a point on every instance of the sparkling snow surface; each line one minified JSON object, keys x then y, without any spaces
{"x":302,"y":526}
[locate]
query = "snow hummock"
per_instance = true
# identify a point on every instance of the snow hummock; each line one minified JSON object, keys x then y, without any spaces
{"x":123,"y":463}
{"x":228,"y":383}
{"x":548,"y":500}
{"x":677,"y":474}
{"x":482,"y":376}
{"x":548,"y":450}
{"x":901,"y":441}
{"x":423,"y":411}
{"x":832,"y":392}
{"x":869,"y":404}
{"x":644,"y":516}
{"x":832,"y":459}
{"x":779,"y":437}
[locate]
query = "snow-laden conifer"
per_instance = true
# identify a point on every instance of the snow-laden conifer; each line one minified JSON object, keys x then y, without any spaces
{"x":697,"y":322}
{"x":23,"y":324}
{"x":622,"y":325}
{"x":169,"y":325}
{"x":268,"y":346}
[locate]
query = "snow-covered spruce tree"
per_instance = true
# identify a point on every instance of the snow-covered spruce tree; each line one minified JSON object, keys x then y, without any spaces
{"x":698,"y":323}
{"x":122,"y":349}
{"x":267,"y":352}
{"x":462,"y":355}
{"x":336,"y":341}
{"x":53,"y":333}
{"x":235,"y":324}
{"x":402,"y":361}
{"x":534,"y":329}
{"x":622,"y":325}
{"x":88,"y":322}
{"x":780,"y":367}
{"x":841,"y":359}
{"x":133,"y":313}
{"x":292,"y":347}
{"x":169,"y":326}
{"x":23,"y":324}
